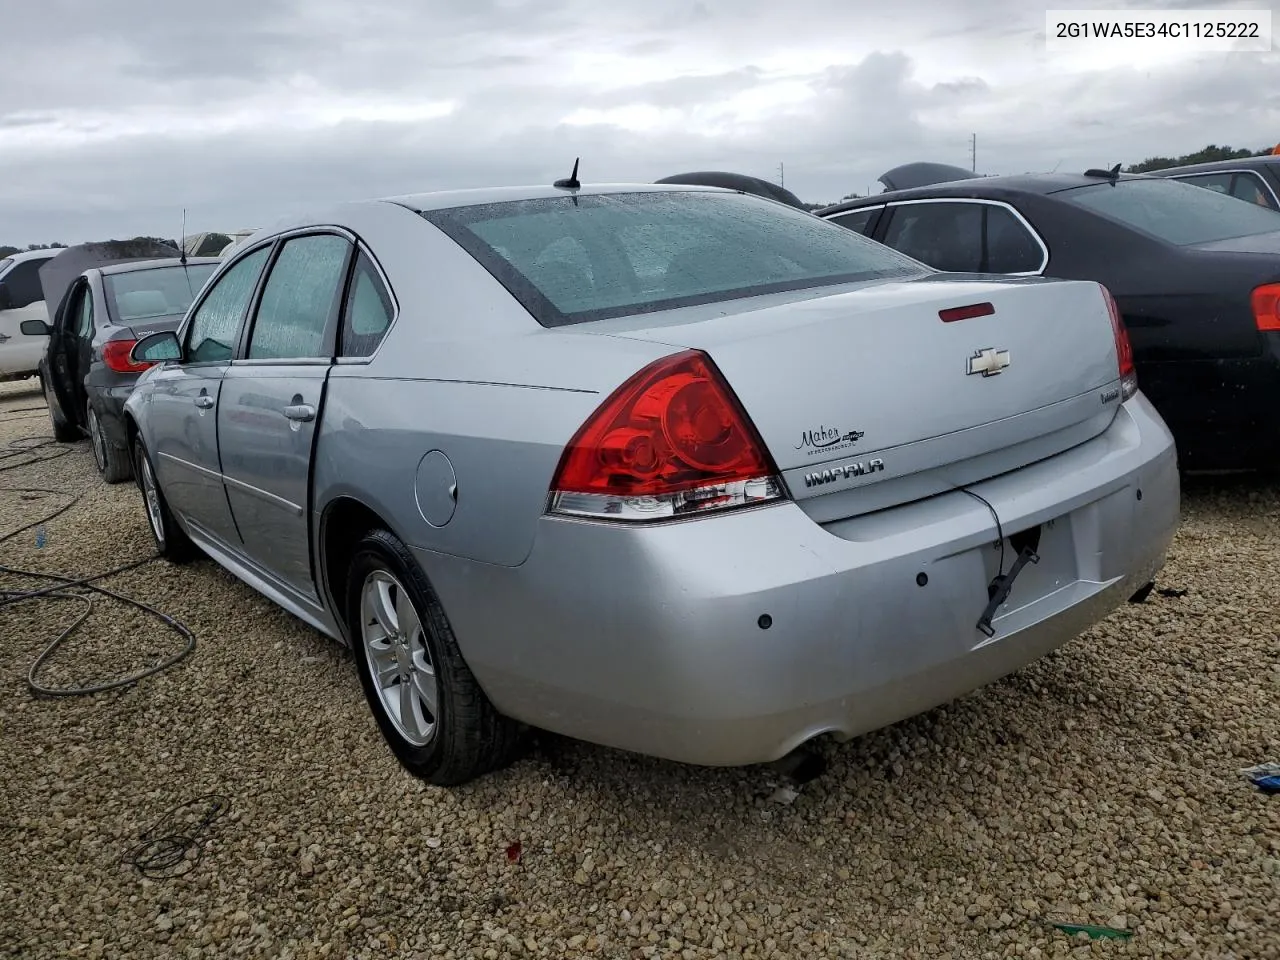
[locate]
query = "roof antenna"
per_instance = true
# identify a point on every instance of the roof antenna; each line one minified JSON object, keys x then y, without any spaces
{"x":182,"y":248}
{"x":1113,"y":174}
{"x":572,"y":182}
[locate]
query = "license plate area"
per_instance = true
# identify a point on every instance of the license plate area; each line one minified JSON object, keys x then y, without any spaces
{"x":1054,"y":546}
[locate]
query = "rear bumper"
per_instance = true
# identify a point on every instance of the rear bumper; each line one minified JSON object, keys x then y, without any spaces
{"x":650,"y":639}
{"x":1221,"y":412}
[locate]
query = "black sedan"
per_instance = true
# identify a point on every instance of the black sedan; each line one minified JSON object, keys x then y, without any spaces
{"x":100,"y":313}
{"x":1255,"y":179}
{"x":1196,"y":275}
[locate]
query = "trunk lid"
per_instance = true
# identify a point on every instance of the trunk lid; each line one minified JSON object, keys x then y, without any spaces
{"x":867,"y":398}
{"x":138,"y":329}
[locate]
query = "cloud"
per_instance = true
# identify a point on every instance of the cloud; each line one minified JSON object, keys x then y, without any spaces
{"x":117,"y":116}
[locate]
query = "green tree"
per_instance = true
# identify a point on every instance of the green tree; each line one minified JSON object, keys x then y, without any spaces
{"x":1208,"y":155}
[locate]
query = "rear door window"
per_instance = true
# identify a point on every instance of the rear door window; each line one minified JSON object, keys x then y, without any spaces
{"x":300,"y":299}
{"x":946,"y":236}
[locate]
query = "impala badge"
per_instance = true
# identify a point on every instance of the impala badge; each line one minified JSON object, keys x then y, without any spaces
{"x":988,"y":361}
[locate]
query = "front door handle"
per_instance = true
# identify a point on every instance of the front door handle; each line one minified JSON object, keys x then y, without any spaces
{"x":301,"y":412}
{"x":204,"y":401}
{"x":3,"y":337}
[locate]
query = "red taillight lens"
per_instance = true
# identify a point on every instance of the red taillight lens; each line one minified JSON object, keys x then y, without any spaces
{"x":1266,"y":307}
{"x":115,"y":354}
{"x":671,"y":441}
{"x":1124,"y":349}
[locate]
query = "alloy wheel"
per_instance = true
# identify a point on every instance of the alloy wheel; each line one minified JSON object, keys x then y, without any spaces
{"x":399,"y":659}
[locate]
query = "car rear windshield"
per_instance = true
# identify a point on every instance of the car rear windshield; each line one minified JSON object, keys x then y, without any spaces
{"x":577,"y":259}
{"x":1175,"y":212}
{"x":156,"y":292}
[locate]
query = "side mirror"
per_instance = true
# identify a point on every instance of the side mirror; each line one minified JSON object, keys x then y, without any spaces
{"x":6,"y":298}
{"x":35,"y":328}
{"x":156,"y":348}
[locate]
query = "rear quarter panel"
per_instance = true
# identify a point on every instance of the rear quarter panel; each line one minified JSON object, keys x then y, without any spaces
{"x":503,"y":442}
{"x":467,"y":371}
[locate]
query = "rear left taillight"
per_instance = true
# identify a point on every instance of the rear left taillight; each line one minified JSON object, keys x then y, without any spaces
{"x":673,"y":441}
{"x":1266,"y":307}
{"x":1124,"y":349}
{"x":115,"y":354}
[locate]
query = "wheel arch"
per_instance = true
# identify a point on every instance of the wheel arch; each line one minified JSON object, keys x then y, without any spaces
{"x":344,"y":521}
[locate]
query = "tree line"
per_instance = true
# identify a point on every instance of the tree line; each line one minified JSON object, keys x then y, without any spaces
{"x":7,"y":251}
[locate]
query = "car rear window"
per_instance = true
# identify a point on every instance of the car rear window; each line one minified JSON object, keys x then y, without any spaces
{"x":575,"y":259}
{"x":1178,"y":213}
{"x":157,"y":292}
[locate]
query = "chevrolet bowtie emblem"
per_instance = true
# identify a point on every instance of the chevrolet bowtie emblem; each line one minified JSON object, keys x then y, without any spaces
{"x":988,"y":361}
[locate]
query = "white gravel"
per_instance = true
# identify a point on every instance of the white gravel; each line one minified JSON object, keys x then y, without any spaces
{"x":1097,"y":786}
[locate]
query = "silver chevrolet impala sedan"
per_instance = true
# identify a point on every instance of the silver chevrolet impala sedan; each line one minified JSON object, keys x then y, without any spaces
{"x":674,"y":469}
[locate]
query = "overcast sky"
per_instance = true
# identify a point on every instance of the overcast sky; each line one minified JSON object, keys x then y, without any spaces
{"x":114,"y":116}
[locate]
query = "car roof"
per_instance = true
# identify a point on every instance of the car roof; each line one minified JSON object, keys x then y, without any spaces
{"x":135,"y":266}
{"x":443,"y":199}
{"x":994,"y":188}
{"x":33,"y":254}
{"x":1266,"y":160}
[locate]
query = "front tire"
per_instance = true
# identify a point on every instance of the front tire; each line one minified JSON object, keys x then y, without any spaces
{"x":172,"y":542}
{"x":113,"y":462}
{"x":428,"y":704}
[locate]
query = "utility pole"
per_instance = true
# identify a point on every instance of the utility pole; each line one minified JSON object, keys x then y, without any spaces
{"x":782,"y":175}
{"x":973,"y":152}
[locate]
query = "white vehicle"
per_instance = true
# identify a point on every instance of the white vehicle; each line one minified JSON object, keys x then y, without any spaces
{"x":22,"y":298}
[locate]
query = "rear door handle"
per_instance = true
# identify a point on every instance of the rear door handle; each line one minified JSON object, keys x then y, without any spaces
{"x":204,"y":401}
{"x":3,"y":337}
{"x":302,"y":412}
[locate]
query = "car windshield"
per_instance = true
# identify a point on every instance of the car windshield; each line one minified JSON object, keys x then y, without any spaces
{"x":155,"y":292}
{"x":576,"y":259}
{"x":1175,"y":212}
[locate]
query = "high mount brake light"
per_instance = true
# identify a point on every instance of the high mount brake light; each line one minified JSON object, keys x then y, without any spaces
{"x":672,"y":441}
{"x":115,"y":354}
{"x":1266,"y":307}
{"x":1124,"y":349}
{"x":952,"y":314}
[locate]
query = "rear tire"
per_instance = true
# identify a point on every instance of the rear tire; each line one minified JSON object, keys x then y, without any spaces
{"x":429,"y":706}
{"x":113,"y":462}
{"x":63,"y":430}
{"x":172,"y":542}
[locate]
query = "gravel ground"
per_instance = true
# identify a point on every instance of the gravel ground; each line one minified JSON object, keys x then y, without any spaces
{"x":1099,"y":786}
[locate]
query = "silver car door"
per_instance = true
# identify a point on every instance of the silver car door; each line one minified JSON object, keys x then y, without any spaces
{"x":271,"y":404}
{"x":184,"y":399}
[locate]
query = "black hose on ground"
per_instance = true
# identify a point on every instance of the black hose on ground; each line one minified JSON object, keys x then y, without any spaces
{"x":38,"y":450}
